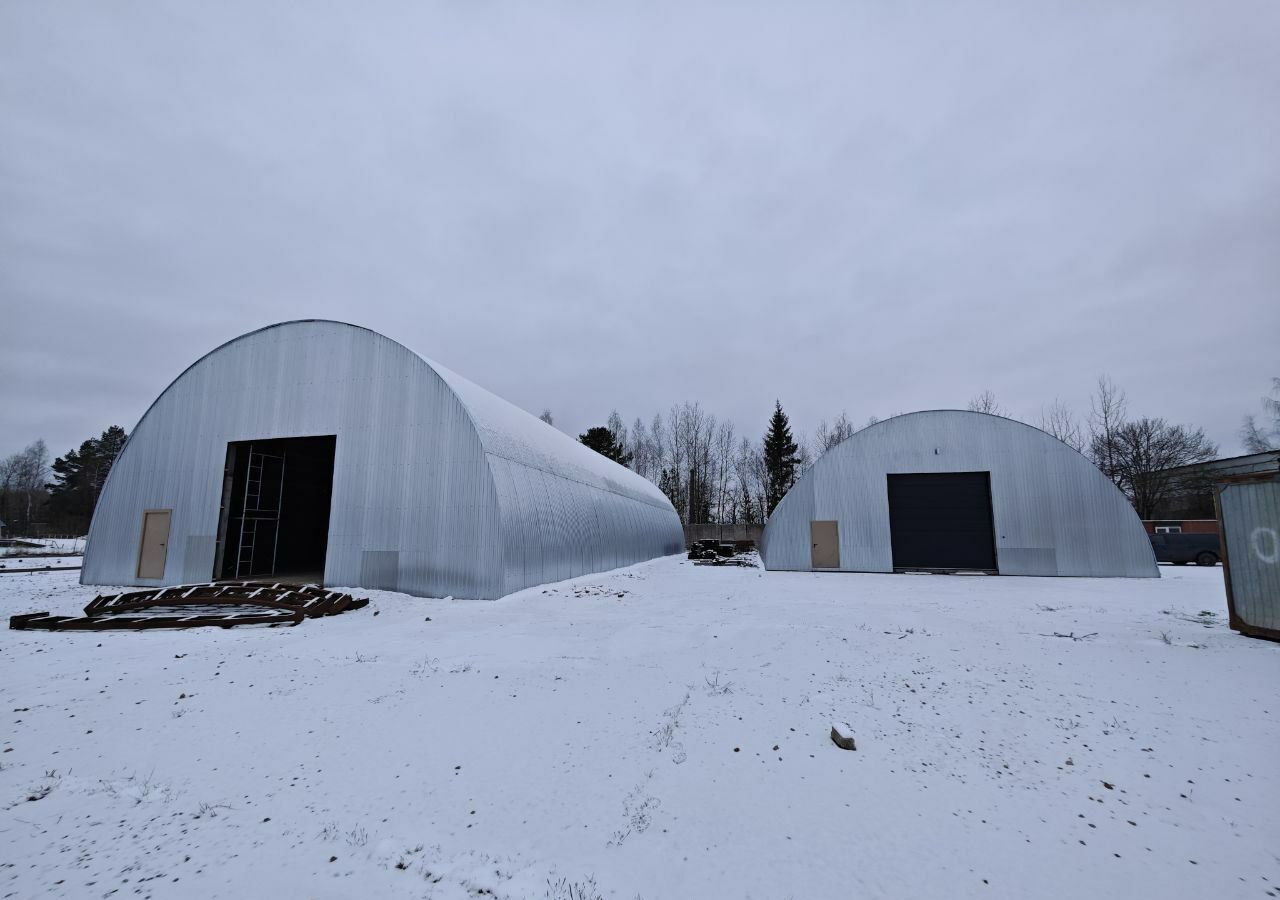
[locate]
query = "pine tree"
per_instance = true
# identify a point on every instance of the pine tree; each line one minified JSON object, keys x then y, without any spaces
{"x":601,"y":440}
{"x":780,"y":457}
{"x":80,"y":475}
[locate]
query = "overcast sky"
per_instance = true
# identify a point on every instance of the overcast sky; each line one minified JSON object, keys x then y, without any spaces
{"x":862,"y":206}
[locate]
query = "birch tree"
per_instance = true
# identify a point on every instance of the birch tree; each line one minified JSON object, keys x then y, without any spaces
{"x":1261,"y":436}
{"x":1059,"y":421}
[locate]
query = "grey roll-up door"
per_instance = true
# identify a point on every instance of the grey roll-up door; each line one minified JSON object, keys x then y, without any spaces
{"x":942,"y":520}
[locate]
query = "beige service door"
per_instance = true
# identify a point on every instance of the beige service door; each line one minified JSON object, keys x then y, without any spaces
{"x":155,"y":543}
{"x":825,"y":537}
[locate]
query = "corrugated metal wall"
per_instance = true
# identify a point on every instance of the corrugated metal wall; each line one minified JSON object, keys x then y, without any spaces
{"x":420,"y":503}
{"x":1055,"y":513}
{"x":1250,"y":514}
{"x":565,"y":509}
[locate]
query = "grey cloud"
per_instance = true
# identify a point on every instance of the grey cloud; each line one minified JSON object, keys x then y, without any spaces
{"x":845,"y":206}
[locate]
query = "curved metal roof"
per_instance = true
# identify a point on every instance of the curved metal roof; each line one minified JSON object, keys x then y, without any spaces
{"x":504,"y":429}
{"x":510,"y":432}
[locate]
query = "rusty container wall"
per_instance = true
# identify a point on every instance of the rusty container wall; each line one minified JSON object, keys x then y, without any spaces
{"x":1249,"y":516}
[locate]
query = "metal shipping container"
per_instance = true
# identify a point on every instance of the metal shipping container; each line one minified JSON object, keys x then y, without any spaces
{"x":1249,"y":515}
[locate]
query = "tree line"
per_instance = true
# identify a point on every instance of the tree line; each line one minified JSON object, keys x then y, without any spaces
{"x":711,"y":473}
{"x":708,"y":471}
{"x":42,"y":497}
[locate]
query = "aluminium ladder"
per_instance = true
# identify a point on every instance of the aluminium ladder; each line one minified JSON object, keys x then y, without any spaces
{"x":261,"y":507}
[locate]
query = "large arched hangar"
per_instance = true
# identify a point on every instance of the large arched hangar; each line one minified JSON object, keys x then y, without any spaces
{"x":321,"y":451}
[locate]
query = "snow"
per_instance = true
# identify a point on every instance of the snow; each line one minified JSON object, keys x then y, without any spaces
{"x":40,"y":561}
{"x":43,"y":553}
{"x":657,"y":731}
{"x":69,"y":546}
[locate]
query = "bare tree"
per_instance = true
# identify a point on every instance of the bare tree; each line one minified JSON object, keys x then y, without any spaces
{"x":1108,"y":409}
{"x":1059,"y":421}
{"x":644,"y":455}
{"x":828,"y":436}
{"x":546,"y":417}
{"x":1261,"y":437}
{"x":24,"y":480}
{"x":675,"y":464}
{"x":1254,"y":438}
{"x":33,"y":477}
{"x":658,"y":445}
{"x":986,"y":403}
{"x":724,"y":506}
{"x":9,"y":489}
{"x":686,"y":459}
{"x":1145,"y":451}
{"x":805,"y":459}
{"x":692,"y":429}
{"x":752,"y":479}
{"x":690,"y":456}
{"x":617,"y":429}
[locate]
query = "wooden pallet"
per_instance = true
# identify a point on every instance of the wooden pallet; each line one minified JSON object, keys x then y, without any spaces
{"x":195,"y":605}
{"x":42,"y":621}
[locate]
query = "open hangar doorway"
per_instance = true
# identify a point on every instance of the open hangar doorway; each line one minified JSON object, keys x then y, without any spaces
{"x":274,"y":518}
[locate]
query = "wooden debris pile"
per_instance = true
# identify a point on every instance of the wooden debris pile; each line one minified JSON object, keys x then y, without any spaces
{"x":748,"y":560}
{"x":194,"y":605}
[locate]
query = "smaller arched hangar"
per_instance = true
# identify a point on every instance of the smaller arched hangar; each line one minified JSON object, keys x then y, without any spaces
{"x":947,"y":490}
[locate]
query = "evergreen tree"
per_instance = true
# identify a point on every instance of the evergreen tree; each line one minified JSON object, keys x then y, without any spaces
{"x":780,"y":458}
{"x":602,"y":441}
{"x":80,"y":475}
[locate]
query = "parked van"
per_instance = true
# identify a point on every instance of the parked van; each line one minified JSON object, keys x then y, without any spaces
{"x":1180,"y":549}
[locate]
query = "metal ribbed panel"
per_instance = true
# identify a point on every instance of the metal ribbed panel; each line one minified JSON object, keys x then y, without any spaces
{"x":473,"y":499}
{"x":1251,"y":527}
{"x":1054,"y":512}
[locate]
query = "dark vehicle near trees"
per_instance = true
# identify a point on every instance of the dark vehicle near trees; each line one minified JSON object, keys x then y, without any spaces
{"x":1180,"y":549}
{"x":710,"y":549}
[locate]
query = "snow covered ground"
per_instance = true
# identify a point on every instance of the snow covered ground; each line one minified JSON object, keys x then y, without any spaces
{"x":43,"y":548}
{"x":48,"y":553}
{"x":40,"y":562}
{"x":658,"y":731}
